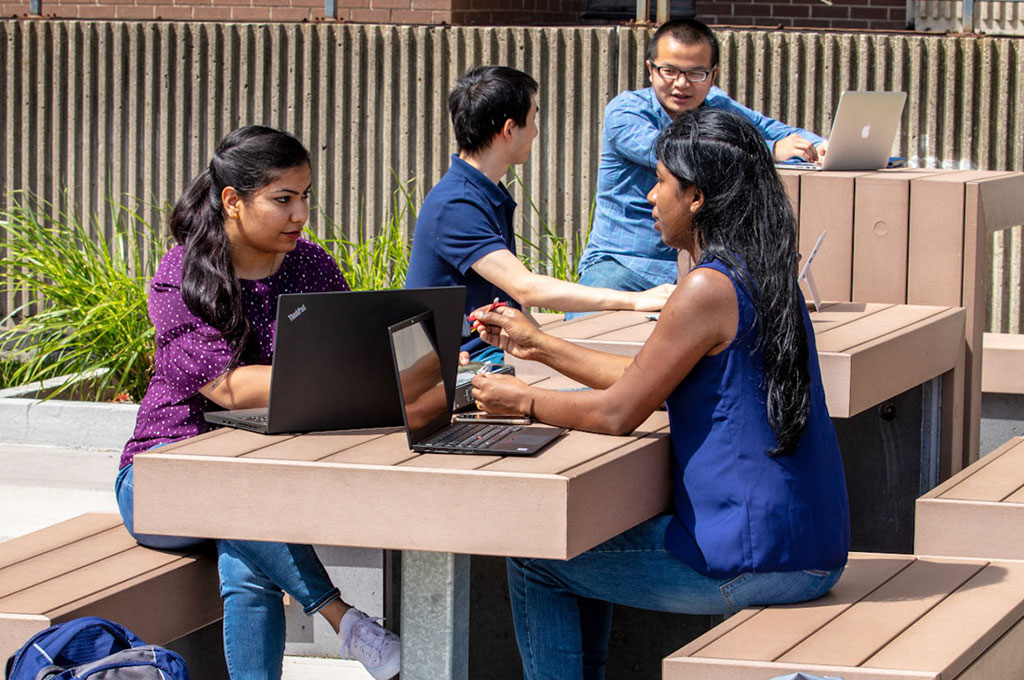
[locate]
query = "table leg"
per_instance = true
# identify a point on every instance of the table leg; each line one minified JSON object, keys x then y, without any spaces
{"x":435,"y":616}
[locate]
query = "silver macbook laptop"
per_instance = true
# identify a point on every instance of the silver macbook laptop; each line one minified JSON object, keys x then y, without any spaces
{"x":863,"y":131}
{"x":428,"y":409}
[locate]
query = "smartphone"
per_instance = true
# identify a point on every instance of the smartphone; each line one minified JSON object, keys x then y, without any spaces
{"x":495,"y":418}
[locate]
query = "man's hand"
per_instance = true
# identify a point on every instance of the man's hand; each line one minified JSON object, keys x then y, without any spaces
{"x":795,"y":146}
{"x":652,"y":299}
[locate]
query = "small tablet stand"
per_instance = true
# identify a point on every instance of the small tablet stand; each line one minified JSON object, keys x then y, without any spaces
{"x":805,"y":273}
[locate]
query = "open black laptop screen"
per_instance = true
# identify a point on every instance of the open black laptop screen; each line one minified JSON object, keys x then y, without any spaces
{"x":420,"y":379}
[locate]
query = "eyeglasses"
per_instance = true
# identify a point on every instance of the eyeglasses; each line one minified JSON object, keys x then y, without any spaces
{"x":671,"y":73}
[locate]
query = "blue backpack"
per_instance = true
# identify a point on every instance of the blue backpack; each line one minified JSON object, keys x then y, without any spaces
{"x":94,"y":648}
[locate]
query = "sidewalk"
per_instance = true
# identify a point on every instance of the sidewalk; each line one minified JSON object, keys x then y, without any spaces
{"x":42,"y":485}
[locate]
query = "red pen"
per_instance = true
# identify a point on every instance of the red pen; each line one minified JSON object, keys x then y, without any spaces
{"x":496,"y":304}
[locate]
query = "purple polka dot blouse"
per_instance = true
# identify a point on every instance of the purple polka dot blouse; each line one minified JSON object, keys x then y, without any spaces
{"x":191,"y":353}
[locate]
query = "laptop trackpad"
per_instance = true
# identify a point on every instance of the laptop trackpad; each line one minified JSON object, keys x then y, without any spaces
{"x":526,"y":438}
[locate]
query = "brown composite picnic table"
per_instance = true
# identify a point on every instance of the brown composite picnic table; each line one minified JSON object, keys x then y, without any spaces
{"x":868,"y":353}
{"x":366,"y":488}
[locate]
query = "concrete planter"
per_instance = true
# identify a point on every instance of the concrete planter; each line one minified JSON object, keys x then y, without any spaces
{"x":28,"y":417}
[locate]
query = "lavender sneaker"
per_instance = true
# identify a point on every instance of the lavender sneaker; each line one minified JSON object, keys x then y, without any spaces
{"x":366,"y":641}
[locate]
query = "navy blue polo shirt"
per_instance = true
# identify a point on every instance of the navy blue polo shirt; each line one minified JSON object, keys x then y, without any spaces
{"x":464,"y":217}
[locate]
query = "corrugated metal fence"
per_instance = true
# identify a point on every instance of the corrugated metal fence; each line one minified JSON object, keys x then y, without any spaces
{"x":132,"y":111}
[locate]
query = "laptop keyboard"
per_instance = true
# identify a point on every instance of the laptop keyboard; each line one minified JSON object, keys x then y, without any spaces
{"x":472,"y":436}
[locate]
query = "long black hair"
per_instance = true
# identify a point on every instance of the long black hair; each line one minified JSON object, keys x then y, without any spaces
{"x":746,"y":223}
{"x":247,"y":159}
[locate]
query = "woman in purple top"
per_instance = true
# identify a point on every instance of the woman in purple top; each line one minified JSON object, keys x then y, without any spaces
{"x":213,"y":302}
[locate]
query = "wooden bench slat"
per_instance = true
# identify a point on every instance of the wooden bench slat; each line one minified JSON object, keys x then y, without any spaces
{"x":960,"y":476}
{"x":636,"y":333}
{"x":64,"y":559}
{"x":390,"y":449}
{"x":563,"y":453}
{"x":547,"y":318}
{"x":950,"y":636}
{"x":705,"y":639}
{"x":826,"y":203}
{"x":314,"y":446}
{"x":835,"y":314}
{"x":194,"y":602}
{"x":586,"y":327}
{"x":993,"y":482}
{"x":1002,"y":366}
{"x":976,"y":517}
{"x":690,"y":668}
{"x":450,"y":461}
{"x":23,"y":547}
{"x":566,"y":453}
{"x":1015,"y":497}
{"x":92,"y":578}
{"x":774,"y":631}
{"x":869,"y":625}
{"x":240,"y":443}
{"x":558,"y":382}
{"x":1001,"y":660}
{"x":844,"y":338}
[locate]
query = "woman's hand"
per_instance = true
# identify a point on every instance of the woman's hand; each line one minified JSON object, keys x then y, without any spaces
{"x":653,"y":299}
{"x":498,"y":393}
{"x":511,"y":330}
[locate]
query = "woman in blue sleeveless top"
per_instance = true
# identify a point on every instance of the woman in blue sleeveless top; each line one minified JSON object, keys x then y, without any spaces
{"x":760,"y":510}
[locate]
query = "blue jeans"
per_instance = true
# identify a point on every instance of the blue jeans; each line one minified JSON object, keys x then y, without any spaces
{"x":608,"y":273}
{"x":562,"y":610}
{"x":252,"y":576}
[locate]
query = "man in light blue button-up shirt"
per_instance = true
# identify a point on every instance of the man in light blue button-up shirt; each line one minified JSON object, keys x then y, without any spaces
{"x":624,"y":251}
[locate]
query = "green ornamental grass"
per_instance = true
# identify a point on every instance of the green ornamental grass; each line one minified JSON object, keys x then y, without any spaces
{"x":82,"y":295}
{"x":82,"y":289}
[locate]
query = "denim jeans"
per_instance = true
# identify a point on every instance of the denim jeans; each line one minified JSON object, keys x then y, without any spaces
{"x":608,"y":273}
{"x":562,"y":610}
{"x":253,"y":575}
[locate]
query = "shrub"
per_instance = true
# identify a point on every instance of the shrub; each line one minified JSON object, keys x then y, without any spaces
{"x":82,"y":292}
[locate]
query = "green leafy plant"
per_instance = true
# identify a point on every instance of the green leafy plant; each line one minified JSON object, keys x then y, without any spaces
{"x":555,"y":255}
{"x":380,"y":260}
{"x":83,"y":289}
{"x":83,"y":296}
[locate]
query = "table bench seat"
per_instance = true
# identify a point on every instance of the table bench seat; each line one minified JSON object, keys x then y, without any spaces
{"x":890,"y":617}
{"x":978,"y":512}
{"x":91,"y":566}
{"x":1002,"y":366}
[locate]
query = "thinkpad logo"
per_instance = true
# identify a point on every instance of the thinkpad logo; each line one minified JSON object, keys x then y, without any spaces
{"x":297,"y":313}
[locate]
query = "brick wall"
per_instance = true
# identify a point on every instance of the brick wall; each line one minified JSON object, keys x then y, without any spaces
{"x":457,"y":12}
{"x":512,"y":12}
{"x":856,"y":14}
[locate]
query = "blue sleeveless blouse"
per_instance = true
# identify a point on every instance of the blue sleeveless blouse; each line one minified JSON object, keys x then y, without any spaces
{"x":737,"y":509}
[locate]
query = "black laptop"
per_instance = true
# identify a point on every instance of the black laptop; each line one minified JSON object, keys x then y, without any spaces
{"x":427,"y":403}
{"x":332,"y":366}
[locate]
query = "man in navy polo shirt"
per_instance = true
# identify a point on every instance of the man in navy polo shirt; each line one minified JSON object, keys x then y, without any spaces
{"x":464,"y":234}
